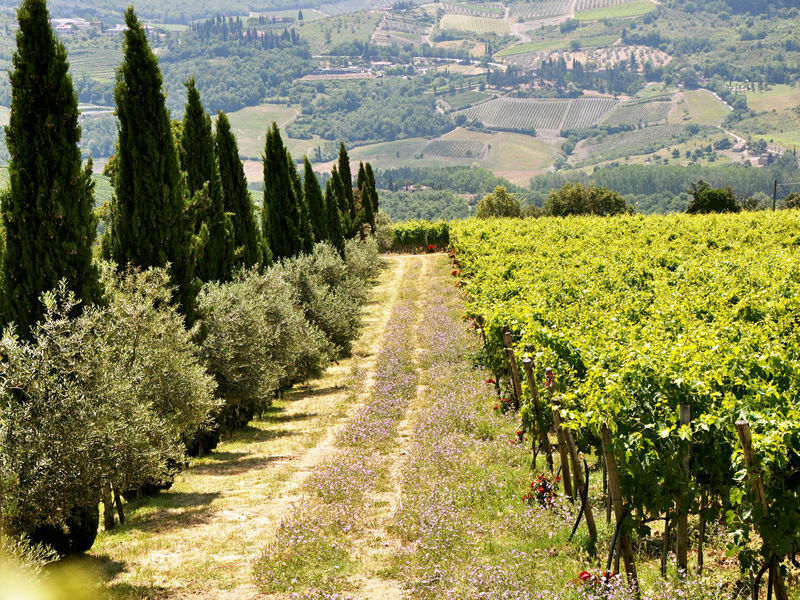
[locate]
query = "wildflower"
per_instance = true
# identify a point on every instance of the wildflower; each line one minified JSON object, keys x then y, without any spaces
{"x":431,"y":247}
{"x":491,"y":381}
{"x":454,"y":272}
{"x":497,"y":407}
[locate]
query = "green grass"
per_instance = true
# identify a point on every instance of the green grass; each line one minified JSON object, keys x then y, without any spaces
{"x":631,"y":9}
{"x":700,"y":107}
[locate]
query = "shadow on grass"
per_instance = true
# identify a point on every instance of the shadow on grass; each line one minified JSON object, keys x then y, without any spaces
{"x":237,"y":464}
{"x":301,"y":393}
{"x":103,"y":569}
{"x":168,"y":510}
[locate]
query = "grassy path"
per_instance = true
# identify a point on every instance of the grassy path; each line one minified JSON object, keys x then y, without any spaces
{"x":198,"y":540}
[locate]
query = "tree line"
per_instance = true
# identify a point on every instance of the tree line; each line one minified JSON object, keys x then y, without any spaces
{"x":123,"y":354}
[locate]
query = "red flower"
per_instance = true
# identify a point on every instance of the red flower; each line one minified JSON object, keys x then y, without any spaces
{"x":585,"y":576}
{"x":454,"y":273}
{"x":431,"y":247}
{"x":492,"y":381}
{"x":497,"y":407}
{"x":519,"y":434}
{"x":558,"y":478}
{"x":540,"y":489}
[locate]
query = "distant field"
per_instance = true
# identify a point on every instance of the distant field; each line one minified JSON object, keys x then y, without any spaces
{"x":640,"y":111}
{"x":345,"y":28}
{"x":453,"y":148}
{"x":700,"y":107}
{"x":629,"y":143}
{"x":778,"y":97}
{"x":97,"y":63}
{"x":595,"y":4}
{"x":474,"y":24}
{"x":530,"y":11}
{"x":533,"y":47}
{"x":528,"y":115}
{"x":250,"y":125}
{"x":465,"y":98}
{"x":629,"y":9}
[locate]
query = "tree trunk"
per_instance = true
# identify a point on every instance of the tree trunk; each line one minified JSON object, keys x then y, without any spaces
{"x":108,"y":509}
{"x":120,"y":510}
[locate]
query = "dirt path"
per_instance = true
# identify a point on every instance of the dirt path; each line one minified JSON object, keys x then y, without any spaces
{"x":199,"y":539}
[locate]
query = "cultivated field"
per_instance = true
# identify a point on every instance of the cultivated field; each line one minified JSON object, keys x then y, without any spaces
{"x":699,"y":106}
{"x":777,"y":97}
{"x":617,"y":11}
{"x":530,"y":115}
{"x":629,"y":143}
{"x":490,"y":9}
{"x":606,"y":55}
{"x":472,"y":24}
{"x":340,"y":29}
{"x":464,"y":149}
{"x":465,"y":98}
{"x":640,"y":111}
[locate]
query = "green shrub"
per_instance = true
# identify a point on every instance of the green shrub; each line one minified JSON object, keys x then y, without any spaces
{"x":416,"y":236}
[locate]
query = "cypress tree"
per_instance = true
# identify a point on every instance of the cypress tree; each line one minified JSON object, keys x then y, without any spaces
{"x":334,"y":219}
{"x":315,"y":202}
{"x":149,"y":225}
{"x":47,"y":212}
{"x":280,"y":216}
{"x":306,"y":233}
{"x":236,"y":198}
{"x":361,"y":177}
{"x":366,"y":202}
{"x":347,"y":180}
{"x":199,"y":162}
{"x":371,"y":178}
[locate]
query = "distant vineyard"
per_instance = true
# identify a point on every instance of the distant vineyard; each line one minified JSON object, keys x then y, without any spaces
{"x":343,"y":7}
{"x":465,"y":99}
{"x":603,"y":57}
{"x":630,"y":143}
{"x":645,"y":112}
{"x":474,"y":24}
{"x":540,"y":10}
{"x":492,"y":9}
{"x":97,"y":65}
{"x":456,"y":149}
{"x":528,"y":115}
{"x":586,"y":112}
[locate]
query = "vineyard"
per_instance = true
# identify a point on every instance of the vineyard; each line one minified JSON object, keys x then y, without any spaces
{"x":591,"y":4}
{"x":668,"y":347}
{"x":642,"y":111}
{"x":630,"y":143}
{"x":530,"y":115}
{"x":472,"y":24}
{"x":464,"y":149}
{"x":543,"y":9}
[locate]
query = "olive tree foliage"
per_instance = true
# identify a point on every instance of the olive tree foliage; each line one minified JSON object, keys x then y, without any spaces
{"x":95,"y":402}
{"x":581,"y":199}
{"x":328,"y":294}
{"x":498,"y":204}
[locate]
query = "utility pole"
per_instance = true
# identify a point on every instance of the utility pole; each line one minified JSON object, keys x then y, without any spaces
{"x":774,"y":195}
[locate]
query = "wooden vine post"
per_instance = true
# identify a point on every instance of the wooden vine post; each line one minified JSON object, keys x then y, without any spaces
{"x":527,"y":365}
{"x":757,"y":485}
{"x":580,"y":484}
{"x":562,"y":443}
{"x":682,"y":528}
{"x":512,"y":361}
{"x":615,"y":490}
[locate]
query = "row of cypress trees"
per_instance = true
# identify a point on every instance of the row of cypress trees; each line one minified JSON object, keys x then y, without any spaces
{"x":180,"y":192}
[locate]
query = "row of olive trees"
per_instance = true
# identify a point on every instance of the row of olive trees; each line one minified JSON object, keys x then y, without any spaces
{"x":108,"y":399}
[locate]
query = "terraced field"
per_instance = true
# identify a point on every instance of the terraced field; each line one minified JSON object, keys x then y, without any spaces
{"x":530,"y":115}
{"x":472,"y":24}
{"x":94,"y":64}
{"x":544,"y":9}
{"x":456,"y":149}
{"x":644,"y":112}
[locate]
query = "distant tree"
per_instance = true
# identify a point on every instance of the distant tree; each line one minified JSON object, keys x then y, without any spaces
{"x":498,"y":204}
{"x":371,"y":178}
{"x":580,"y":199}
{"x":315,"y":202}
{"x":705,"y":199}
{"x":199,"y":162}
{"x":792,"y":201}
{"x":347,"y":179}
{"x":340,"y":197}
{"x":247,"y":239}
{"x":47,"y":213}
{"x":306,"y":233}
{"x":335,"y":236}
{"x":280,"y":216}
{"x":299,"y":15}
{"x":149,"y":226}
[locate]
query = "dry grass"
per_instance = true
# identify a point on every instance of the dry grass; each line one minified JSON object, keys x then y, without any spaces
{"x":198,"y":539}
